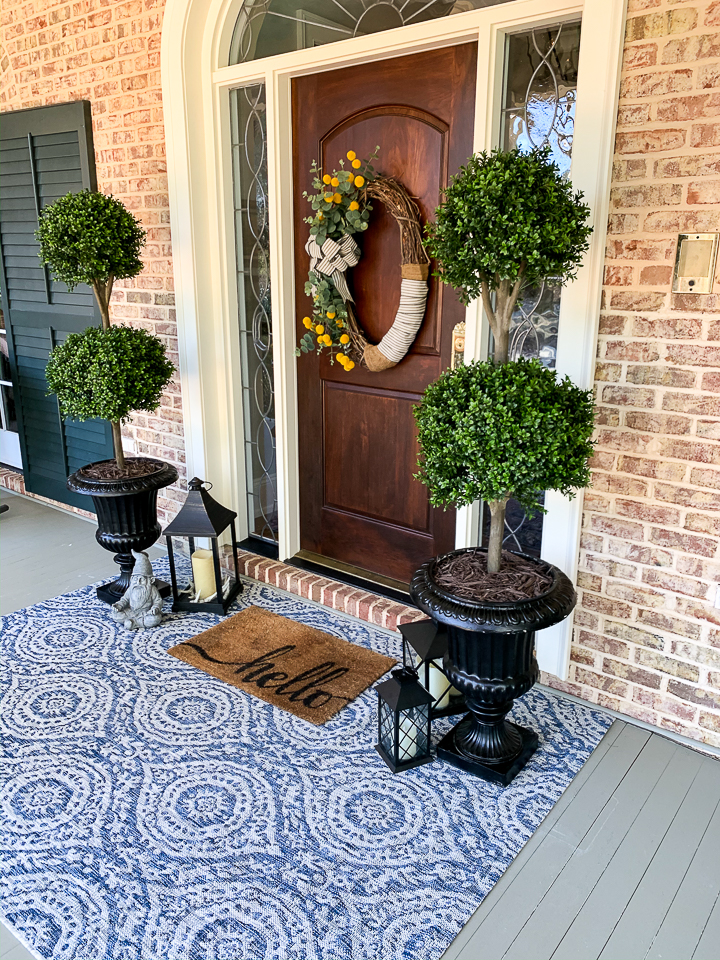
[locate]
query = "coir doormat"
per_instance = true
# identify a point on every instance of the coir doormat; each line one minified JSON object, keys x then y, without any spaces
{"x":292,"y":666}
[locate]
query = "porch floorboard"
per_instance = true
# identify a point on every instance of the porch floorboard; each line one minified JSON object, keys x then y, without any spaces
{"x":625,"y":866}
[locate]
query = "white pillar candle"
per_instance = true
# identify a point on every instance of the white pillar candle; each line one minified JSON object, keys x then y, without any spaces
{"x":203,"y":570}
{"x":439,"y":683}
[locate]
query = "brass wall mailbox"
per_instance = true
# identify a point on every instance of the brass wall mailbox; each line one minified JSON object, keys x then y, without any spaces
{"x":695,"y":263}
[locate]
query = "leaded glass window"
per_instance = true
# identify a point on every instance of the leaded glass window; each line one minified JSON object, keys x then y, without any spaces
{"x":538,"y":110}
{"x":265,"y":28}
{"x":250,"y":183}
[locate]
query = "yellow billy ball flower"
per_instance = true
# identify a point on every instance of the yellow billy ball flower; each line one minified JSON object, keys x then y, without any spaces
{"x":344,"y":338}
{"x":321,"y":216}
{"x":328,"y":340}
{"x":340,"y":324}
{"x":334,"y":181}
{"x":354,"y":205}
{"x":328,"y":197}
{"x":330,"y":314}
{"x":307,"y":322}
{"x":319,"y":328}
{"x":337,"y":197}
{"x":351,"y":154}
{"x":341,"y":359}
{"x":359,"y":181}
{"x":326,"y":178}
{"x":357,"y":164}
{"x":349,"y":365}
{"x":320,"y":341}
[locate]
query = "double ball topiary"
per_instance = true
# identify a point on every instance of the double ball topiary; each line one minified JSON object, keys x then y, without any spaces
{"x":108,"y":373}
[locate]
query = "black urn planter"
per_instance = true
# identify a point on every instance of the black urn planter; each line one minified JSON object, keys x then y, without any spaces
{"x":491,"y":659}
{"x":127,"y":518}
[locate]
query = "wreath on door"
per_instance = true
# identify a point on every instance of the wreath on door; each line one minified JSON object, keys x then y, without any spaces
{"x":342,"y":206}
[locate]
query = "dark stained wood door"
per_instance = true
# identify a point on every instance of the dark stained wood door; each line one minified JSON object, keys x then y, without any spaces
{"x":359,"y":503}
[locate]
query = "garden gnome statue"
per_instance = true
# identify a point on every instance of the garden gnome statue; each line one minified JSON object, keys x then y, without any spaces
{"x":141,"y":603}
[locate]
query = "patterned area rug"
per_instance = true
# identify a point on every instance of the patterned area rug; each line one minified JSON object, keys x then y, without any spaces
{"x":152,"y":812}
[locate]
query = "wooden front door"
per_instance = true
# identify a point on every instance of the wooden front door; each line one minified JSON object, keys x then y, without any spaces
{"x":359,"y":503}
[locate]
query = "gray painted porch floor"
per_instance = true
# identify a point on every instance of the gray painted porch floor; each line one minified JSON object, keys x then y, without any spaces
{"x":625,"y":866}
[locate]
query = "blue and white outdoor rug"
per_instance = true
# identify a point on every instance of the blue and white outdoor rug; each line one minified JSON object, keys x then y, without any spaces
{"x":152,"y":812}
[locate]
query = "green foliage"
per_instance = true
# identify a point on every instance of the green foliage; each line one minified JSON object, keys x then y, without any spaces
{"x":89,"y":237}
{"x":340,"y":202}
{"x":508,"y":214}
{"x":488,"y":432}
{"x":108,"y":373}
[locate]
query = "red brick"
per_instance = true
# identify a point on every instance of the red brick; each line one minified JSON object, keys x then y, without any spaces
{"x":642,"y":55}
{"x":629,"y":396}
{"x":705,"y":478}
{"x":704,"y":191}
{"x":656,"y":84}
{"x":708,"y":428}
{"x":699,"y":611}
{"x":705,"y":698}
{"x":614,"y":483}
{"x":688,"y":108}
{"x":648,"y":194}
{"x":631,"y":350}
{"x":625,"y":632}
{"x":681,"y":221}
{"x":700,"y":523}
{"x":617,"y":528}
{"x":630,"y":594}
{"x":658,"y":469}
{"x":692,"y":166}
{"x":675,"y":668}
{"x":605,"y":605}
{"x":639,"y":553}
{"x":591,"y":679}
{"x":608,"y":371}
{"x":694,"y":354}
{"x":649,"y":513}
{"x":662,"y":621}
{"x":687,"y":450}
{"x":692,"y":403}
{"x":667,"y":328}
{"x":627,"y":671}
{"x":638,"y":301}
{"x":682,"y":541}
{"x":655,"y":276}
{"x":658,"y":423}
{"x":624,"y":440}
{"x":649,"y":141}
{"x":691,"y":49}
{"x":687,"y":497}
{"x":618,"y":276}
{"x":708,"y":76}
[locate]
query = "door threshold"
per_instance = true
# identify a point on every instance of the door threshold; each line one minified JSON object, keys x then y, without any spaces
{"x":386,"y":587}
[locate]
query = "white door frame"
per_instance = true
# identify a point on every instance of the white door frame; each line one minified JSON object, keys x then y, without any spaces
{"x":196,"y":86}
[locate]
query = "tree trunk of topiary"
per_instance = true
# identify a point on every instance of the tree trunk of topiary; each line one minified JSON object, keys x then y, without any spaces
{"x":497,"y":529}
{"x":103,"y":292}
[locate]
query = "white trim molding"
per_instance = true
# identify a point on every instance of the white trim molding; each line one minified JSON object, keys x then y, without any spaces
{"x":196,"y":81}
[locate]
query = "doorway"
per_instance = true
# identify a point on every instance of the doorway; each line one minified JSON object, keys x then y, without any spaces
{"x":360,"y":506}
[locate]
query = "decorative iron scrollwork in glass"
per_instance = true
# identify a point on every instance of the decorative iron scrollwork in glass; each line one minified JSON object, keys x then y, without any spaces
{"x":250,"y":183}
{"x":539,"y":110}
{"x":265,"y":28}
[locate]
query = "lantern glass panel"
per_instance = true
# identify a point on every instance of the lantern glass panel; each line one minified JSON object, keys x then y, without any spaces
{"x":387,"y":728}
{"x":413,"y":733}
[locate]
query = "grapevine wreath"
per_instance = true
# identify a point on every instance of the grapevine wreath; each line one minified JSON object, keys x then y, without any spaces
{"x":342,"y":207}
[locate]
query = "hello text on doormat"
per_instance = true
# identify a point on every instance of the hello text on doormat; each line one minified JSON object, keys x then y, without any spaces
{"x":292,"y":666}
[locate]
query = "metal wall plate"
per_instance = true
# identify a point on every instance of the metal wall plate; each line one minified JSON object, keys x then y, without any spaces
{"x":695,"y":263}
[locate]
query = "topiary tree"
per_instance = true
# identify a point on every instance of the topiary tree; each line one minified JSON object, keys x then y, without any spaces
{"x":507,"y":219}
{"x":92,"y":238}
{"x":492,"y":432}
{"x":108,"y":373}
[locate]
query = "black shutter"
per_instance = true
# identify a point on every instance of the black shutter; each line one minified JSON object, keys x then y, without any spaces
{"x":44,"y":154}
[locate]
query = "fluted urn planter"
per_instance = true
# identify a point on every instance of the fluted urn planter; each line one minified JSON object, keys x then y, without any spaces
{"x":127,"y":517}
{"x":491,"y":659}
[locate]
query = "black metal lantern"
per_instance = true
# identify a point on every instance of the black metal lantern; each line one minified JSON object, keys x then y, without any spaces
{"x":203,"y":517}
{"x":403,"y":721}
{"x":429,"y":643}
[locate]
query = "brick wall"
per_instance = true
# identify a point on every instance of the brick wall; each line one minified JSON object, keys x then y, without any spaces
{"x":647,"y":637}
{"x":109,"y":53}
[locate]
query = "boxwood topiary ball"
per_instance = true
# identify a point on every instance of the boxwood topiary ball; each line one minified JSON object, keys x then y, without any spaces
{"x":108,"y":373}
{"x":487,"y":432}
